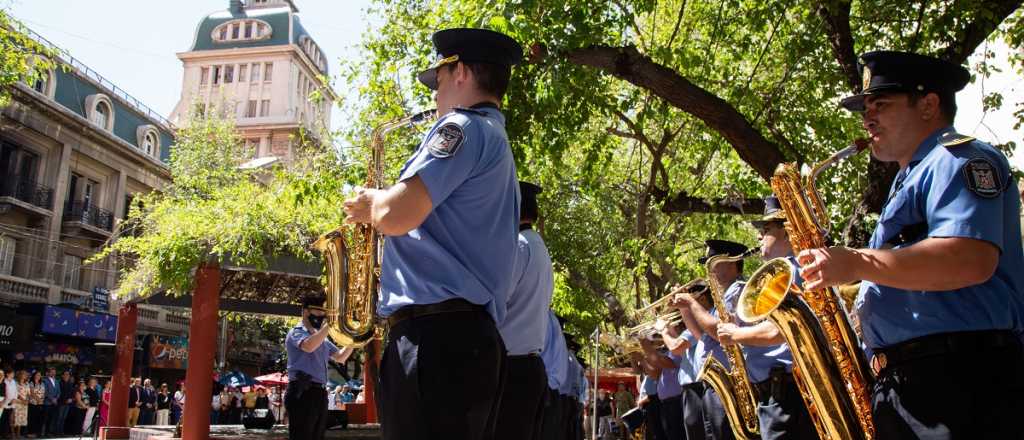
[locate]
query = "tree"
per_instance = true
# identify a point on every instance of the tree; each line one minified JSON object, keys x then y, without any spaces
{"x":639,"y":114}
{"x":22,"y":59}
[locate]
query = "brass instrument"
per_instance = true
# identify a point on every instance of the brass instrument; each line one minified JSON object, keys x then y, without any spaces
{"x":732,"y":385}
{"x":829,"y":367}
{"x":353,"y":267}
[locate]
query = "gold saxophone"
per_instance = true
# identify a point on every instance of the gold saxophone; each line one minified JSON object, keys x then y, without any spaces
{"x":733,"y":386}
{"x":829,"y":367}
{"x":353,"y":268}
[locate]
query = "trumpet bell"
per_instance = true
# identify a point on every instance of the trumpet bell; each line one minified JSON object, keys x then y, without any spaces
{"x":765,"y":291}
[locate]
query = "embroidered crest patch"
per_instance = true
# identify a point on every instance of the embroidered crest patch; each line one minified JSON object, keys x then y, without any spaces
{"x":982,"y":178}
{"x":446,"y":141}
{"x":866,"y":78}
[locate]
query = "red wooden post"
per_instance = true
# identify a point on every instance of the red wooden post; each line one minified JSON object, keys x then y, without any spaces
{"x":127,"y":322}
{"x":370,"y":374}
{"x":202,"y":347}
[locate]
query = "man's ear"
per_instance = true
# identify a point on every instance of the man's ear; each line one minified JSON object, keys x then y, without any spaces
{"x":929,"y":106}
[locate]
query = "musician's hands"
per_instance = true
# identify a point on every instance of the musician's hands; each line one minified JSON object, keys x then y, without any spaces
{"x":827,"y":267}
{"x":359,"y":209}
{"x":726,"y":331}
{"x":681,"y":300}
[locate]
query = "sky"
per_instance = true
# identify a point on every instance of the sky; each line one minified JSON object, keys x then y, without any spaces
{"x":133,"y":44}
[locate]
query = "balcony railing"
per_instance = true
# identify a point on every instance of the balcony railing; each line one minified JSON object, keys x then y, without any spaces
{"x":28,"y":191}
{"x":89,"y":214}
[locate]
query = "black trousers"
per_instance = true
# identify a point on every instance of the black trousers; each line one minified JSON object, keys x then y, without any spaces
{"x":307,"y":413}
{"x":782,"y":410}
{"x":552,"y":426}
{"x":571,"y":417}
{"x":521,"y":412}
{"x":441,"y":378}
{"x":693,"y":411}
{"x":672,"y":418}
{"x":716,"y":424}
{"x":976,"y":394}
{"x":652,"y":419}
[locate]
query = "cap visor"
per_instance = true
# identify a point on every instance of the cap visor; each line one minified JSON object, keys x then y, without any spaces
{"x":428,"y":78}
{"x":854,"y":103}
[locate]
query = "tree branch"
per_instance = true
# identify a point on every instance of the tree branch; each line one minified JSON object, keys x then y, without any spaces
{"x":628,"y":64}
{"x":683,"y":203}
{"x":836,"y":15}
{"x":990,"y":14}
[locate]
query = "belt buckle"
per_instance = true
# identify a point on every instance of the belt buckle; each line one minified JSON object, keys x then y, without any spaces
{"x":878,"y":362}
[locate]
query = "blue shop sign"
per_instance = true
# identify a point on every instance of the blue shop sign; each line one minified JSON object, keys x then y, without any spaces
{"x":81,"y":324}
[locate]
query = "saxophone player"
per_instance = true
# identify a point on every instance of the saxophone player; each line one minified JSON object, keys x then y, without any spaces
{"x":941,"y":303}
{"x":780,"y":409}
{"x":702,"y":321}
{"x":451,"y":226}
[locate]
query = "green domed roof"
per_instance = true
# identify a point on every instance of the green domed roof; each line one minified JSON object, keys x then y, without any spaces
{"x":277,"y":18}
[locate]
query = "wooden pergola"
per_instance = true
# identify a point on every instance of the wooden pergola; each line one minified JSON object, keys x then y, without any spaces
{"x":273,"y":290}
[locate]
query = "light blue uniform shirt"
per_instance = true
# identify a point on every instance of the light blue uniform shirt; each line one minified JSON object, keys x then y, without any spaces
{"x":313,"y":364}
{"x":668,"y":382}
{"x":572,"y":376}
{"x":583,"y":388}
{"x":760,"y":360}
{"x":687,"y":371}
{"x":526,"y":322}
{"x":936,"y":188}
{"x":709,"y":346}
{"x":466,"y":247}
{"x":554,"y":353}
{"x":649,"y":386}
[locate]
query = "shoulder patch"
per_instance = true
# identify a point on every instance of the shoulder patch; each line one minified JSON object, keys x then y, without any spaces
{"x":446,"y":141}
{"x":953,"y":139}
{"x":982,"y":178}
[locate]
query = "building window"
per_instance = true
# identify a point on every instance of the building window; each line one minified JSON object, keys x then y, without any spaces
{"x":72,"y":271}
{"x":243,"y":71}
{"x":148,"y":139}
{"x":100,"y":111}
{"x":241,"y":30}
{"x":229,"y":74}
{"x":268,"y":70}
{"x":250,"y":111}
{"x":252,"y":147}
{"x":255,"y":73}
{"x":7,"y":247}
{"x":204,"y":76}
{"x":265,"y":107}
{"x":216,"y":74}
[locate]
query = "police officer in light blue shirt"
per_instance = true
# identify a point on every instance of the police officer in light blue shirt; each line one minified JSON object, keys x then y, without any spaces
{"x":941,"y":302}
{"x":525,"y":327}
{"x":781,"y":408}
{"x":309,"y":349}
{"x":451,"y":226}
{"x":651,"y":404}
{"x":664,"y":364}
{"x":553,"y":355}
{"x":683,"y":350}
{"x":702,"y":320}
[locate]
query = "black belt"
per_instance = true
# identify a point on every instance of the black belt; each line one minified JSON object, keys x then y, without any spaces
{"x":522,"y":356}
{"x":419,"y":311}
{"x":940,"y":345}
{"x":698,"y":385}
{"x":778,"y":376}
{"x":672,"y":399}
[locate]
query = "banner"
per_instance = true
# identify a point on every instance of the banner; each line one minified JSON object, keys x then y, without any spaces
{"x":58,"y":353}
{"x":16,"y":331}
{"x":168,"y":352}
{"x":61,"y":321}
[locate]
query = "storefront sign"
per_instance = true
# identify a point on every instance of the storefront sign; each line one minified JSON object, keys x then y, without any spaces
{"x":16,"y":331}
{"x":61,"y":321}
{"x":57,"y":353}
{"x":100,"y":298}
{"x":168,"y":352}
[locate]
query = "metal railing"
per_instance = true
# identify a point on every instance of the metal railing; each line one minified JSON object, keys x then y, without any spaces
{"x":24,"y":290}
{"x":89,"y":214}
{"x":28,"y":191}
{"x":66,"y":58}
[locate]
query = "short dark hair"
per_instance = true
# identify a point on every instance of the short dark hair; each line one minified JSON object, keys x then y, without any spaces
{"x":947,"y":102}
{"x":490,"y":78}
{"x":313,"y":299}
{"x":528,"y":209}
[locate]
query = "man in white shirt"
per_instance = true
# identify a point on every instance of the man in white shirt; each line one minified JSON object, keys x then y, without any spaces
{"x":10,"y":394}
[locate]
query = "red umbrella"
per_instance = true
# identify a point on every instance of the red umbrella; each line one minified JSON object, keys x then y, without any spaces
{"x":273,"y":379}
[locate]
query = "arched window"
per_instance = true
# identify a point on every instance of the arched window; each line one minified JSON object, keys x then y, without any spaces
{"x":100,"y":111}
{"x":313,"y":52}
{"x":242,"y":30}
{"x":148,"y":139}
